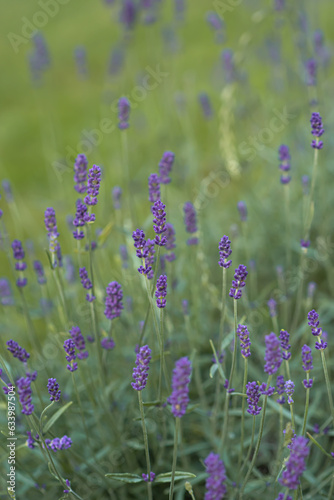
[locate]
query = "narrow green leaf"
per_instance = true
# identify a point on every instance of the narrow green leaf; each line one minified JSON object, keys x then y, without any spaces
{"x":167,"y":477}
{"x":55,"y":417}
{"x":125,"y":478}
{"x":219,"y":368}
{"x":213,"y":370}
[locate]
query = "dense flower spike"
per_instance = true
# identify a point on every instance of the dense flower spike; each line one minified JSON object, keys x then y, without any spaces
{"x":79,"y":342}
{"x":266,"y":391}
{"x":81,"y":217}
{"x":17,"y":351}
{"x":273,"y":356}
{"x":140,"y":371}
{"x":272,"y":304}
{"x":190,"y":221}
{"x":53,"y":389}
{"x":20,"y":265}
{"x":242,"y":208}
{"x":86,"y":283}
{"x":284,"y":158}
{"x":245,"y":343}
{"x":253,"y":396}
{"x":93,"y":185}
{"x":23,"y":387}
{"x":69,"y":347}
{"x":180,"y":387}
{"x":317,"y":130}
{"x":289,"y":388}
{"x":153,"y":188}
{"x":313,"y":322}
{"x":280,"y":389}
{"x":238,"y":282}
{"x":295,"y":465}
{"x":57,"y":444}
{"x":161,"y":291}
{"x":284,"y":337}
{"x":224,"y":252}
{"x":38,"y":267}
{"x":307,"y":358}
{"x":80,"y":173}
{"x":6,"y":296}
{"x":159,"y":223}
{"x":116,"y":195}
{"x":113,"y":302}
{"x":51,"y":227}
{"x":123,"y":113}
{"x":165,"y":167}
{"x":215,"y":487}
{"x":107,"y":343}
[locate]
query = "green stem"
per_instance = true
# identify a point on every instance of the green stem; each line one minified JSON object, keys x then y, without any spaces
{"x":176,"y":438}
{"x":243,"y":414}
{"x":147,"y":453}
{"x":82,"y":414}
{"x":306,"y":405}
{"x":222,"y":317}
{"x":328,"y":385}
{"x":162,"y":354}
{"x":250,"y":446}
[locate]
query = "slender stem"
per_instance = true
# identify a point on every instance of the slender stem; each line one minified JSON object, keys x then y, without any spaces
{"x":162,"y":355}
{"x":147,"y":452}
{"x":222,"y":317}
{"x":250,"y":446}
{"x":176,"y":438}
{"x":241,"y":453}
{"x":288,"y":224}
{"x":156,"y":269}
{"x":292,"y":417}
{"x":306,"y":405}
{"x":328,"y":385}
{"x":82,"y":413}
{"x":300,"y":292}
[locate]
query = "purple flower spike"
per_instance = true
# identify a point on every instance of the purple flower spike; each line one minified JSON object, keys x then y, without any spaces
{"x":113,"y":303}
{"x":311,"y":72}
{"x":69,"y":347}
{"x":107,"y":343}
{"x":20,"y":265}
{"x":295,"y":465}
{"x":321,"y":345}
{"x":57,"y":444}
{"x":242,"y":208}
{"x":205,"y":103}
{"x":224,"y":252}
{"x":273,"y":356}
{"x":317,"y":130}
{"x":81,"y":217}
{"x":284,"y":337}
{"x":280,"y":389}
{"x":284,"y":158}
{"x":79,"y":342}
{"x":159,"y":223}
{"x":228,"y":65}
{"x":123,"y":113}
{"x":289,"y":388}
{"x":140,"y":371}
{"x":153,"y":188}
{"x":190,"y":221}
{"x":238,"y":282}
{"x":313,"y":322}
{"x":253,"y":396}
{"x":68,"y":484}
{"x":245,"y":343}
{"x":165,"y":166}
{"x":272,"y":304}
{"x":6,"y":297}
{"x":116,"y":194}
{"x":86,"y":283}
{"x":80,"y":173}
{"x":146,"y":479}
{"x":53,"y":389}
{"x":128,"y":17}
{"x":17,"y":351}
{"x":93,"y":185}
{"x":266,"y":391}
{"x":161,"y":291}
{"x":38,"y":268}
{"x":179,"y":398}
{"x":23,"y":387}
{"x":215,"y":487}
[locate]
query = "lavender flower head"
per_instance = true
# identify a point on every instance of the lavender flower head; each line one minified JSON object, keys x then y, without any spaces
{"x":81,"y":217}
{"x":107,"y":343}
{"x":6,"y":297}
{"x":153,"y":188}
{"x":86,"y":283}
{"x":224,"y":252}
{"x":289,"y":388}
{"x":20,"y":265}
{"x":273,"y":356}
{"x":17,"y":351}
{"x":238,"y":282}
{"x":161,"y":291}
{"x":245,"y":343}
{"x":123,"y":113}
{"x":116,"y":194}
{"x":317,"y":130}
{"x":295,"y":465}
{"x":215,"y":487}
{"x":159,"y":223}
{"x":113,"y":302}
{"x":214,"y":20}
{"x":305,"y":184}
{"x":272,"y":304}
{"x":128,"y":15}
{"x":280,"y":389}
{"x":79,"y":342}
{"x":93,"y":185}
{"x":180,"y":387}
{"x":253,"y":396}
{"x":311,"y":72}
{"x":307,"y":358}
{"x":69,"y":347}
{"x":284,"y":157}
{"x":205,"y":103}
{"x":228,"y":65}
{"x":6,"y":186}
{"x":80,"y":173}
{"x":314,"y":322}
{"x":57,"y":444}
{"x":38,"y":268}
{"x":242,"y":208}
{"x":165,"y":166}
{"x":284,"y":337}
{"x":190,"y":221}
{"x":140,"y":371}
{"x":53,"y":389}
{"x":80,"y":57}
{"x":23,"y":387}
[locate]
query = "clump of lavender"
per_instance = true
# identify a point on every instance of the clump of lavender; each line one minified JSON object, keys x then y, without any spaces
{"x":114,"y":300}
{"x":311,"y":72}
{"x":307,"y":365}
{"x":161,"y":291}
{"x":123,"y":113}
{"x":23,"y":386}
{"x":93,"y":185}
{"x":159,"y":223}
{"x":205,"y":103}
{"x":79,"y":342}
{"x":284,"y":337}
{"x":215,"y":487}
{"x":107,"y":343}
{"x":190,"y":221}
{"x":80,"y":173}
{"x":313,"y":322}
{"x":69,"y":347}
{"x":273,"y":355}
{"x":38,"y":268}
{"x":272,"y":304}
{"x":289,"y":389}
{"x":245,"y":343}
{"x":153,"y":188}
{"x":238,"y":282}
{"x":86,"y":283}
{"x":284,"y":157}
{"x":253,"y":396}
{"x":280,"y":389}
{"x":17,"y":351}
{"x":317,"y":130}
{"x":6,"y":296}
{"x":165,"y":167}
{"x":53,"y":390}
{"x":20,"y":265}
{"x":179,"y":398}
{"x":170,"y":244}
{"x":57,"y":444}
{"x":116,"y":195}
{"x":140,"y":371}
{"x":295,"y":465}
{"x":224,"y":252}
